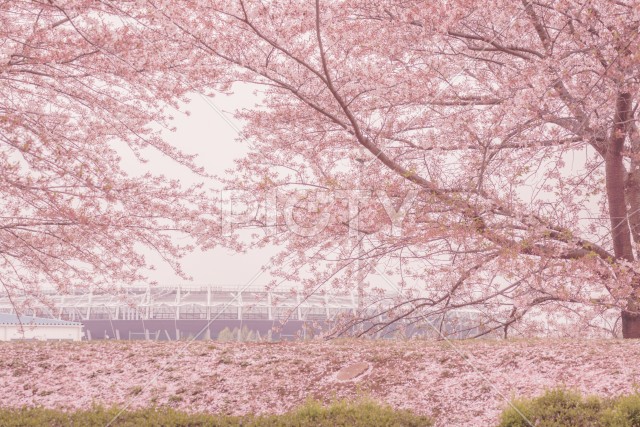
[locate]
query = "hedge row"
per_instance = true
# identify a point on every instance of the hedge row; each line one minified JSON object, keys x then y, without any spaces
{"x":555,"y":408}
{"x":362,"y":413}
{"x":564,"y":408}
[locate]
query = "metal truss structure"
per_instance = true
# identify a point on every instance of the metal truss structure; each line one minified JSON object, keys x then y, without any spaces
{"x":171,"y":312}
{"x":180,"y":311}
{"x":193,"y":302}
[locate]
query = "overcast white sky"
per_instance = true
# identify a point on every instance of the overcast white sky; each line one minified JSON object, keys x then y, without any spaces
{"x":205,"y":133}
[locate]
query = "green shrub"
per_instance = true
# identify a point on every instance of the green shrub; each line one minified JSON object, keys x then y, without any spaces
{"x":625,"y":412}
{"x":564,"y":408}
{"x":556,"y":408}
{"x":361,"y":413}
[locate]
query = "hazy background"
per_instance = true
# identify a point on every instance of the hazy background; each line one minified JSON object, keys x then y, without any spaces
{"x":209,"y":131}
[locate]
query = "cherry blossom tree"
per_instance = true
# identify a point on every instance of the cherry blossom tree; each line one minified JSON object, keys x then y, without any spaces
{"x":82,"y":85}
{"x":507,"y":129}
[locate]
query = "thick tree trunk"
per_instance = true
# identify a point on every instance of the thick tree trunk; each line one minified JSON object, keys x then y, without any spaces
{"x":630,"y":324}
{"x":618,"y":211}
{"x":615,"y":181}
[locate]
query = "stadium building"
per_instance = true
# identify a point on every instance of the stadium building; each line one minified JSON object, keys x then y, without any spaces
{"x":187,"y":312}
{"x":174,"y":312}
